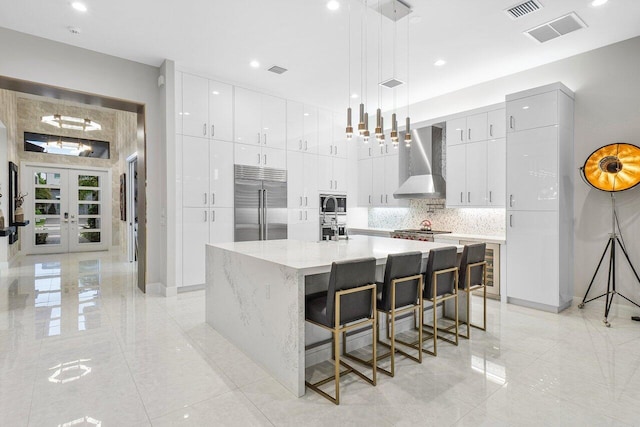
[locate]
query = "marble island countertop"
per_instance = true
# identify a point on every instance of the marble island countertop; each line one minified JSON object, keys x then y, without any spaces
{"x":301,"y":255}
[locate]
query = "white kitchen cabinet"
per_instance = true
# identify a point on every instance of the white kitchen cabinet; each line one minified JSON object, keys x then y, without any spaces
{"x":195,"y":172}
{"x":477,"y":127}
{"x":302,"y":180}
{"x":377,"y":181}
{"x":456,"y":175}
{"x":260,"y":119}
{"x":325,"y":133}
{"x":221,"y":173}
{"x":456,"y":131}
{"x":391,"y":180}
{"x":304,"y":224}
{"x":532,"y":169}
{"x":539,"y":152}
{"x":195,"y":105}
{"x":195,"y":235}
{"x":310,"y":190}
{"x":365,"y":151}
{"x":261,"y":156}
{"x":310,"y":126}
{"x":221,"y":225}
{"x":332,"y":174}
{"x":302,"y":127}
{"x":497,"y":124}
{"x":220,"y":111}
{"x":365,"y":182}
{"x":532,"y":112}
{"x":339,"y":135}
{"x":476,"y":174}
{"x":496,"y":172}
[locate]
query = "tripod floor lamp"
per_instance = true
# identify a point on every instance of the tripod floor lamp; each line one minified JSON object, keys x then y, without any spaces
{"x":612,"y":168}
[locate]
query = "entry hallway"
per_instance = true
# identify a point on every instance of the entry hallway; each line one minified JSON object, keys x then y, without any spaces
{"x":80,"y":345}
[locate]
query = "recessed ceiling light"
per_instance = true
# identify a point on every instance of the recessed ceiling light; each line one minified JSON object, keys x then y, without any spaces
{"x":596,"y":3}
{"x":333,"y":5}
{"x":354,"y":95}
{"x":80,"y":7}
{"x":254,"y":64}
{"x":439,"y":62}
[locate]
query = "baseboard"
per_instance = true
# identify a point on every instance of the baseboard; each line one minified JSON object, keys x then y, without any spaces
{"x":191,"y":288}
{"x":158,"y":288}
{"x":539,"y":306}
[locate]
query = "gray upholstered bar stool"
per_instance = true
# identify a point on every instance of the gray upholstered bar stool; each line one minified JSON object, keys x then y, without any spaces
{"x":399,"y":293}
{"x":473,"y":277}
{"x":349,"y":303}
{"x":441,"y":284}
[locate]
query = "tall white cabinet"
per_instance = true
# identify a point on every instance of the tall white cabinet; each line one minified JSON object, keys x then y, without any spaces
{"x":539,"y":197}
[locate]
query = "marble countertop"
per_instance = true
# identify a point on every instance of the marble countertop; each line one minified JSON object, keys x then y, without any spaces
{"x":301,"y":255}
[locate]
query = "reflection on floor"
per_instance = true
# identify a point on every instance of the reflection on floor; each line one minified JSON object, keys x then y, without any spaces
{"x":80,"y":345}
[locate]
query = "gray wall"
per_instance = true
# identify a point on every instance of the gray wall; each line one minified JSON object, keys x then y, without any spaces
{"x":606,"y":82}
{"x":39,"y":60}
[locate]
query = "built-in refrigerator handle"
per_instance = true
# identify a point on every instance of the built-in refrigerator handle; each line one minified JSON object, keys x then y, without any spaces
{"x":260,"y":210}
{"x":264,"y":210}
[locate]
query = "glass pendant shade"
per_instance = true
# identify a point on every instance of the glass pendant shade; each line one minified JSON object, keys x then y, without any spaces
{"x":378,"y":125}
{"x":381,"y":140}
{"x":349,"y":129}
{"x":614,"y":167}
{"x":366,"y":133}
{"x":407,"y":135}
{"x":394,"y":129}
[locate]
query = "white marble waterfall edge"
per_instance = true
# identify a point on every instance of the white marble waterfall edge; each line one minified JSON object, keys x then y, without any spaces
{"x":238,"y":291}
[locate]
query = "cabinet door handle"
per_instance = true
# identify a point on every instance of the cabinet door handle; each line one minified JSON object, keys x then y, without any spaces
{"x":336,"y":150}
{"x":386,"y":148}
{"x":306,"y":145}
{"x":490,"y":201}
{"x":258,"y":158}
{"x":331,"y":149}
{"x":510,"y":200}
{"x":205,"y":216}
{"x":305,"y":215}
{"x":213,"y":216}
{"x":213,"y":130}
{"x":510,"y":122}
{"x":300,"y":145}
{"x":386,"y":198}
{"x":204,"y":129}
{"x":469,"y":134}
{"x":300,"y":200}
{"x":490,"y":130}
{"x":461,"y":197}
{"x":205,"y":198}
{"x":258,"y":137}
{"x":306,"y":201}
{"x":336,"y":184}
{"x":469,"y":197}
{"x":300,"y":212}
{"x":265,"y":159}
{"x":213,"y":198}
{"x":369,"y":198}
{"x":510,"y":220}
{"x":369,"y":151}
{"x":381,"y":198}
{"x":461,"y":135}
{"x":265,"y":139}
{"x":331,"y":184}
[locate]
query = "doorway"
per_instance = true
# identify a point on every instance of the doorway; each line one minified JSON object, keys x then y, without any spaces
{"x":131,"y":211}
{"x":69,"y":210}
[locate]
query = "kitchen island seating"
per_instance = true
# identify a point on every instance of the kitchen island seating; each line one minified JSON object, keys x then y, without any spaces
{"x":441,"y":284}
{"x":349,"y":303}
{"x":399,"y":293}
{"x":473,"y":277}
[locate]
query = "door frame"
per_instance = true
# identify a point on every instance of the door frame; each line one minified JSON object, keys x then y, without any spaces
{"x":107,"y":205}
{"x":131,"y":208}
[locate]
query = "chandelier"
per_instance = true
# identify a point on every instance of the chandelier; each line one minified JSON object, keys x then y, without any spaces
{"x":73,"y":123}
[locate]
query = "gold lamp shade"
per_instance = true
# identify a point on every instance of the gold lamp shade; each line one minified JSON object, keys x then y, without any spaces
{"x":614,"y":167}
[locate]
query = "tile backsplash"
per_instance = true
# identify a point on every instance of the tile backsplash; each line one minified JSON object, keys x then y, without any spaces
{"x":488,"y":221}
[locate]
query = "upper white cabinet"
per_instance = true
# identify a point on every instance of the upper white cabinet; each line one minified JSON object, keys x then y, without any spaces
{"x":365,"y":182}
{"x":261,"y":156}
{"x":207,"y":108}
{"x":540,"y":167}
{"x":195,"y":105}
{"x":456,"y":175}
{"x":365,"y":151}
{"x":497,"y":125}
{"x":340,"y":142}
{"x":496,"y":172}
{"x":207,"y":173}
{"x":532,"y":112}
{"x":457,"y":131}
{"x":332,"y":174}
{"x":302,"y":127}
{"x":378,"y":179}
{"x":476,"y":173}
{"x":477,"y":127}
{"x":260,"y":119}
{"x":220,"y":111}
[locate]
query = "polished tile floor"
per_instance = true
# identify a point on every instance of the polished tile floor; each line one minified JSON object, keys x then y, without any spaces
{"x":80,"y":345}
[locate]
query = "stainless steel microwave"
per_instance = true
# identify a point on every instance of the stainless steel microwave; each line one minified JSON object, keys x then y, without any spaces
{"x":331,"y":204}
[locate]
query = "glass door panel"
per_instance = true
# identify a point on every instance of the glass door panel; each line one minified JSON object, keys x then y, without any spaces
{"x":50,"y":192}
{"x":87,"y":211}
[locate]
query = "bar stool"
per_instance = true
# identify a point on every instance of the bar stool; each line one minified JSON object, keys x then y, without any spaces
{"x":440,"y":285}
{"x":349,"y":303}
{"x":399,"y":293}
{"x":473,"y":277}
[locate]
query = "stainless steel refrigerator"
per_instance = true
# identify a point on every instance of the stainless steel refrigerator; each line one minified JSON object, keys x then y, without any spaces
{"x":260,"y":203}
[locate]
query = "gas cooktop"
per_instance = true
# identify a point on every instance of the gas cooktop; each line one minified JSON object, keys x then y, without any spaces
{"x":419,"y":231}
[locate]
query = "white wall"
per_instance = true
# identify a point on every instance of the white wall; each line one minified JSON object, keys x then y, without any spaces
{"x":607,"y":110}
{"x":39,"y":60}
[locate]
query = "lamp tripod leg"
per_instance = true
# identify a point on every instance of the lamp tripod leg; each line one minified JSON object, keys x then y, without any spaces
{"x":584,"y":299}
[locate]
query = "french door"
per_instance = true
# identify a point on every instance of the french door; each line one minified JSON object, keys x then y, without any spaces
{"x":69,"y":210}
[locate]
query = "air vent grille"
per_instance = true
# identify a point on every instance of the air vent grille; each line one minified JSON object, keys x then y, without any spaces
{"x":522,"y":9}
{"x":278,"y":70}
{"x":391,"y":83}
{"x":558,"y":27}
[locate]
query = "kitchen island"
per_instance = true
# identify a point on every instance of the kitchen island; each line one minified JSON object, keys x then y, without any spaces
{"x":255,"y":293}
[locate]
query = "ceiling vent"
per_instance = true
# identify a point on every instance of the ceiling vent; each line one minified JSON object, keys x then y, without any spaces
{"x":556,"y":28}
{"x":522,"y":9}
{"x":278,"y":70}
{"x":391,"y":83}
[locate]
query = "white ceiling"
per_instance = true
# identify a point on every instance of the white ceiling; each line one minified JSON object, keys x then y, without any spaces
{"x":219,"y":38}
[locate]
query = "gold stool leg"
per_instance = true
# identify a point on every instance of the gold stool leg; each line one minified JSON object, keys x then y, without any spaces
{"x":336,"y":361}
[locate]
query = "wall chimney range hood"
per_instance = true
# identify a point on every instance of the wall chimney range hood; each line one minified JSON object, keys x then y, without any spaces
{"x":421,"y":166}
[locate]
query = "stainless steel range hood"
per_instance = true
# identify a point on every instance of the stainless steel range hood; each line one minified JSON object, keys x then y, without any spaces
{"x":421,"y":165}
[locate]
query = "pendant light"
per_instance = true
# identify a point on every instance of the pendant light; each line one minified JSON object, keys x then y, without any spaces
{"x":349,"y":129}
{"x":379,"y":130}
{"x":394,"y":130}
{"x":382,"y":134}
{"x":366,"y":134}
